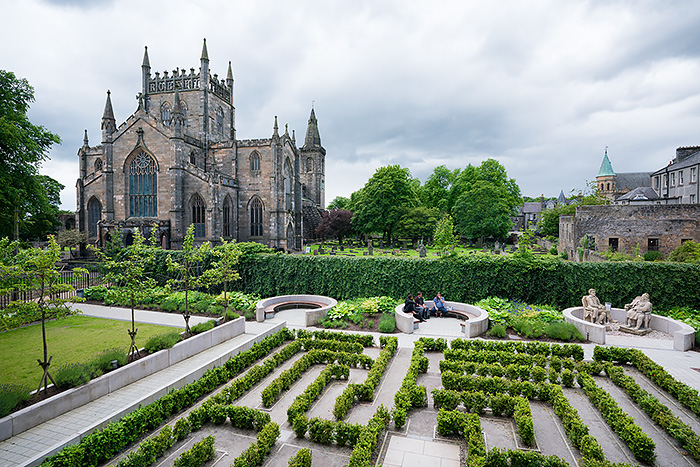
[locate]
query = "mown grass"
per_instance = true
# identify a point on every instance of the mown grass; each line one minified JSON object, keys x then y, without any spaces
{"x":75,"y":339}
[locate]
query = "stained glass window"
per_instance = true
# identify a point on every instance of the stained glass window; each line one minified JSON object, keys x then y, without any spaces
{"x":198,"y":216}
{"x":143,"y":193}
{"x":255,"y":162}
{"x":94,"y":215}
{"x":256,"y":214}
{"x":227,"y":217}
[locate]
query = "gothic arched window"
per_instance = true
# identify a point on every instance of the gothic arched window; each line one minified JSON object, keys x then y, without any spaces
{"x":256,"y":215}
{"x":255,"y":162}
{"x":220,"y":121}
{"x":94,"y":216}
{"x":98,"y":164}
{"x":309,"y":165}
{"x":227,"y":217}
{"x":198,"y":215}
{"x":165,"y":114}
{"x":143,"y":193}
{"x":193,"y":158}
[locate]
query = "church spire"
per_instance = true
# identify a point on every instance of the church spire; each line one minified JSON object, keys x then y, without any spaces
{"x":606,"y":166}
{"x":313,"y":138}
{"x":109,"y":124}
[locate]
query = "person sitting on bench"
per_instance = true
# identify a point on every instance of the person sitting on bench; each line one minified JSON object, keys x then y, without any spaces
{"x":410,"y":307}
{"x":420,"y":306}
{"x":440,"y":306}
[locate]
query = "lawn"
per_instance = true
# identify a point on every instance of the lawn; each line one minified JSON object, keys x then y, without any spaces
{"x":74,"y":339}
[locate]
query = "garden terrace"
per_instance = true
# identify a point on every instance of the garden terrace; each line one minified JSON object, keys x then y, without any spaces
{"x":337,"y":393}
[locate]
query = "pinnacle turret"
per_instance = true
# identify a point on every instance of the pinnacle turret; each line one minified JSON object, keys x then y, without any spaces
{"x":276,"y":128}
{"x":205,"y":54}
{"x":109,"y":124}
{"x":606,"y":166}
{"x":146,"y":63}
{"x":86,"y":143}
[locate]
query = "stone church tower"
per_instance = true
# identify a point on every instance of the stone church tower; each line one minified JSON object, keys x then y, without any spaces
{"x":177,"y":161}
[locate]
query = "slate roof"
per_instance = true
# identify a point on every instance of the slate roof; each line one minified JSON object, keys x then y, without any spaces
{"x":640,"y":193}
{"x":687,"y":162}
{"x":533,"y":207}
{"x":632,"y":180}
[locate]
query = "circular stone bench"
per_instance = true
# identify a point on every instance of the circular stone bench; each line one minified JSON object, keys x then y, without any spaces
{"x":476,"y":319}
{"x":266,"y":308}
{"x":683,"y":335}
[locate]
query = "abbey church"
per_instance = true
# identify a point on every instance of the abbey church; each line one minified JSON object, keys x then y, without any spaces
{"x":177,"y":161}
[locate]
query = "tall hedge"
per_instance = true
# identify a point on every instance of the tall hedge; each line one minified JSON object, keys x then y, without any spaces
{"x":469,"y":279}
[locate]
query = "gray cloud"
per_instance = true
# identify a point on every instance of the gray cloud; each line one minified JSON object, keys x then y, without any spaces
{"x":541,"y":86}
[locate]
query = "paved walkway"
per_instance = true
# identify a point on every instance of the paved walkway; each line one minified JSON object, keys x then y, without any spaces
{"x":30,"y":447}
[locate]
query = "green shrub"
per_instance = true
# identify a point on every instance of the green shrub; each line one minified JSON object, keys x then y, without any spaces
{"x":249,"y":315}
{"x":163,"y":341}
{"x":96,"y":292}
{"x":203,"y":327}
{"x":553,"y":250}
{"x":564,"y":255}
{"x":563,"y":331}
{"x":71,"y":375}
{"x":653,"y":256}
{"x":182,"y":428}
{"x":198,"y":454}
{"x":301,"y":459}
{"x":11,"y":395}
{"x":387,"y":323}
{"x":104,"y":359}
{"x":497,"y":330}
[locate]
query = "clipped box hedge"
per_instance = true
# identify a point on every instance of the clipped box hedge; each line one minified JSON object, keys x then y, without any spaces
{"x":472,"y":278}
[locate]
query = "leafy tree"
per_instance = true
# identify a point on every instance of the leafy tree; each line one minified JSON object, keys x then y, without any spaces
{"x":336,"y":223}
{"x":128,"y":271}
{"x":187,"y":269}
{"x":687,"y":252}
{"x":444,"y":237}
{"x":482,"y":212}
{"x":377,"y":206}
{"x":490,"y":171}
{"x":435,"y":193}
{"x":36,"y":270}
{"x":33,"y":198}
{"x":223,"y":269}
{"x":71,"y":238}
{"x":339,"y":202}
{"x":418,"y":222}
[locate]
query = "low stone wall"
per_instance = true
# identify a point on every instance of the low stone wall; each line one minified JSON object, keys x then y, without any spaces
{"x":683,"y":335}
{"x":404,"y":321}
{"x":45,"y":410}
{"x":313,"y":316}
{"x":477,"y":324}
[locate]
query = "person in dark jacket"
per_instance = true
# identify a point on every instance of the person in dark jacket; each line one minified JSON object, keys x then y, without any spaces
{"x":410,"y":307}
{"x":420,"y":306}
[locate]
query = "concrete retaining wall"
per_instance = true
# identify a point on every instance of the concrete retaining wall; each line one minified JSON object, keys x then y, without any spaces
{"x":683,"y":335}
{"x":45,"y":410}
{"x":476,"y":325}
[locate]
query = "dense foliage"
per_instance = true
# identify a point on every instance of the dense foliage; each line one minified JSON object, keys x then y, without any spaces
{"x":23,"y":147}
{"x":470,"y":279}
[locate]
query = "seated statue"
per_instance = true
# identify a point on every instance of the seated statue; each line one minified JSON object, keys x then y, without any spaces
{"x":639,"y":312}
{"x":593,"y":310}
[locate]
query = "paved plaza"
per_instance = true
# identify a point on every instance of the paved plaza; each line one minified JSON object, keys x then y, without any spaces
{"x":408,"y":449}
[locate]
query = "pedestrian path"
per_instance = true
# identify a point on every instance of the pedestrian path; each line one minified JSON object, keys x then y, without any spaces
{"x":32,"y":446}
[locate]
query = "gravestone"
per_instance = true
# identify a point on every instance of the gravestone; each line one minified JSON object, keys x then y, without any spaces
{"x":422,"y":251}
{"x":315,"y":252}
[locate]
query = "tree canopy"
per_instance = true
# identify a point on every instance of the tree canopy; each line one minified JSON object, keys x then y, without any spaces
{"x":482,"y":211}
{"x":377,"y":206}
{"x":23,"y":147}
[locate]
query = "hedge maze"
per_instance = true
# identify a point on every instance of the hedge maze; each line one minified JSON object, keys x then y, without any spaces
{"x":337,"y":397}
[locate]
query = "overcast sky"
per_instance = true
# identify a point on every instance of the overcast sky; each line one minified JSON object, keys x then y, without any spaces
{"x":541,"y":86}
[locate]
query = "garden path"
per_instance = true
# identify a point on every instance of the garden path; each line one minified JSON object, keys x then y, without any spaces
{"x":29,"y":448}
